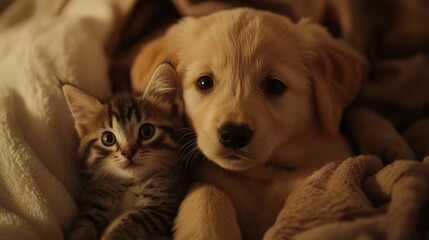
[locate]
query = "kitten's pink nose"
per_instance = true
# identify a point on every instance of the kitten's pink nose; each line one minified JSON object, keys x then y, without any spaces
{"x":128,"y":153}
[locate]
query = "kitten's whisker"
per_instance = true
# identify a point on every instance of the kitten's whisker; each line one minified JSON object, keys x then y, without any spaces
{"x":184,"y":133}
{"x":186,"y":149}
{"x":193,"y":153}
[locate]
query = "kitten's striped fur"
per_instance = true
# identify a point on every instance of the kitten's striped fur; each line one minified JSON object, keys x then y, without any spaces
{"x":132,"y":188}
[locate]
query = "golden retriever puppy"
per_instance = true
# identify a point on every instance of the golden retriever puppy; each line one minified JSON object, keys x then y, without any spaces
{"x":265,"y":97}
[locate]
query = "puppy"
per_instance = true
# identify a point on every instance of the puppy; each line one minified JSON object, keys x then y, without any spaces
{"x":265,"y":97}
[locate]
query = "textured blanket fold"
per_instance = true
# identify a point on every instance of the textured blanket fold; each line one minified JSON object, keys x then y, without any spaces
{"x":38,"y":177}
{"x":358,"y":199}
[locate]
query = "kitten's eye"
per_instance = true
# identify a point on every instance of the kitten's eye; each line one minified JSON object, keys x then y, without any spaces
{"x":205,"y":83}
{"x":108,"y":138}
{"x":274,"y":86}
{"x":146,"y":131}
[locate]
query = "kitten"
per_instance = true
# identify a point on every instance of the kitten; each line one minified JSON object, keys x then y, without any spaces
{"x":132,"y":182}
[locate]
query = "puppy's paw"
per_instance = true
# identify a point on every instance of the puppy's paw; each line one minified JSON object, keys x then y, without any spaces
{"x":206,"y":213}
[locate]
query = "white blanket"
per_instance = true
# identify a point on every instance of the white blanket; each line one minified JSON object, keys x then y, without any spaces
{"x":38,"y":175}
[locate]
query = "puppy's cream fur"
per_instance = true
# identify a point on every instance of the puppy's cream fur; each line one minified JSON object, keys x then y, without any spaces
{"x":293,"y":134}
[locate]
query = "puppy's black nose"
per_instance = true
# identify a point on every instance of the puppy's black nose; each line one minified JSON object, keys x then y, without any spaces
{"x":233,"y":135}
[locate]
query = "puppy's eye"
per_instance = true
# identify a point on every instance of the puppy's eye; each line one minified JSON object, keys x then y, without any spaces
{"x":274,"y":86}
{"x":108,"y":138}
{"x":205,"y":83}
{"x":146,"y":131}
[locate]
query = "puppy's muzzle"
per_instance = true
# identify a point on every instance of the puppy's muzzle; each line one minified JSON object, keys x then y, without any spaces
{"x":233,"y":135}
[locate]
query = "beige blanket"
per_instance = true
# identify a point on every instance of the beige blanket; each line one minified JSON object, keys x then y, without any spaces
{"x":359,"y":199}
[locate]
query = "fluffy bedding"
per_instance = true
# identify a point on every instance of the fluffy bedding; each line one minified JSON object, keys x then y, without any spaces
{"x":359,"y":198}
{"x":45,"y":43}
{"x":38,"y":177}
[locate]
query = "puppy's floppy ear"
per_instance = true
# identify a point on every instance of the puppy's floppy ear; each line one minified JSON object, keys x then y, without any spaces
{"x":149,"y":58}
{"x":163,"y":48}
{"x":337,"y":71}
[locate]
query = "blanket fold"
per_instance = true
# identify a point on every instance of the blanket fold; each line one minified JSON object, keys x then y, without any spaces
{"x":358,"y":198}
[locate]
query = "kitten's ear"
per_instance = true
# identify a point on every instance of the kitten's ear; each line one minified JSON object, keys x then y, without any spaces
{"x":84,"y":108}
{"x":164,"y":86}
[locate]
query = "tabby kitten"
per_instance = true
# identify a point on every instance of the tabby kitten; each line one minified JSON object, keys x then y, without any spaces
{"x":132,"y":182}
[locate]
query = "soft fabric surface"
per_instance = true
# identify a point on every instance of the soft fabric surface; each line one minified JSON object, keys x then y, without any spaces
{"x":359,"y":199}
{"x":38,"y":177}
